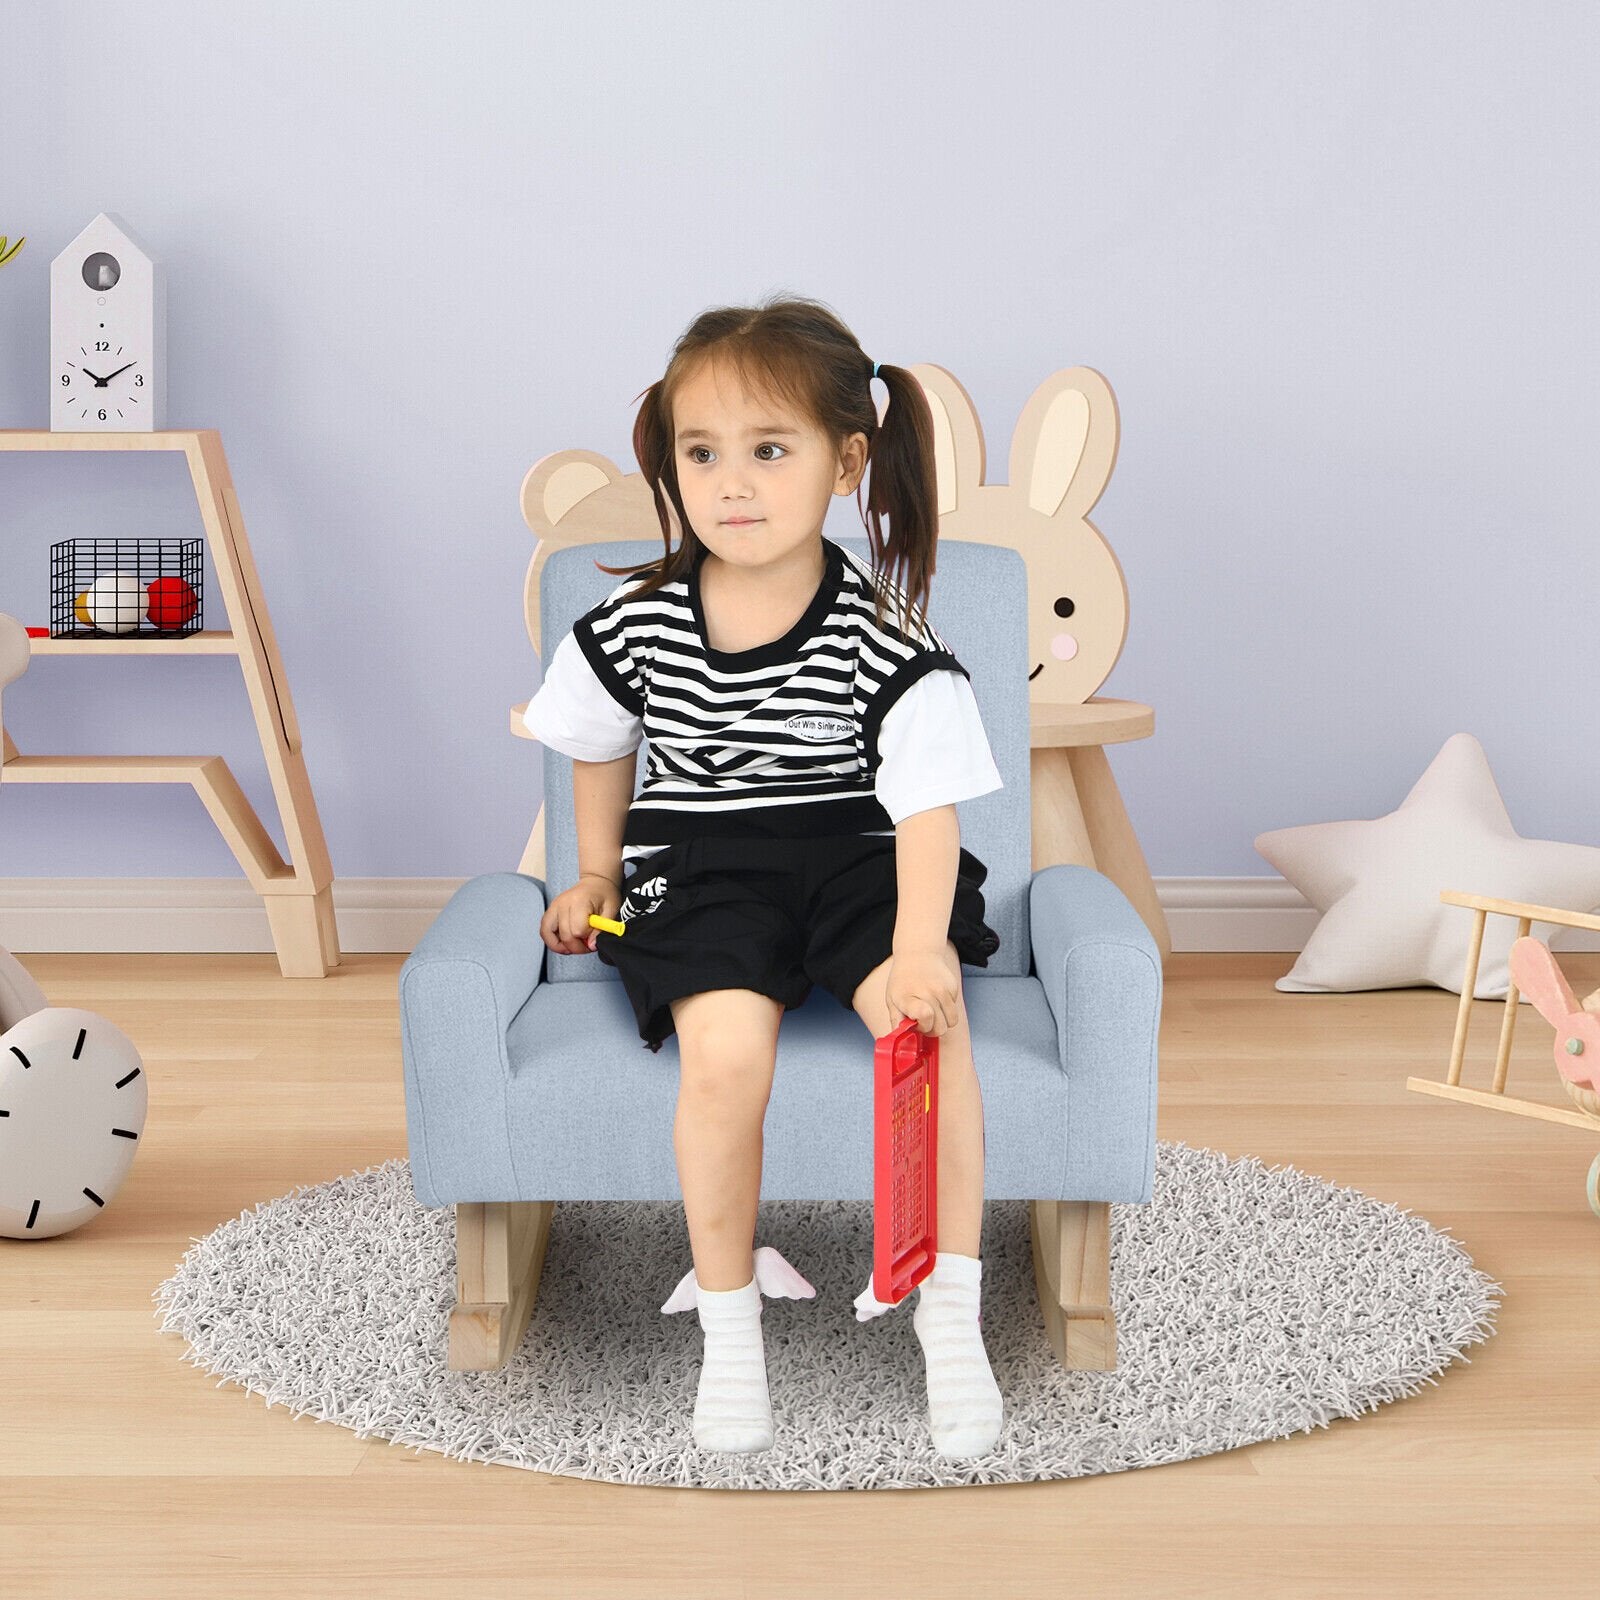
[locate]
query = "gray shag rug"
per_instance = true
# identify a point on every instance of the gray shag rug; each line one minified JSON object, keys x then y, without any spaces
{"x":1251,"y":1304}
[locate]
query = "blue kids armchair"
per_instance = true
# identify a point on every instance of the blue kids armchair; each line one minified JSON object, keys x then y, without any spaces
{"x":527,"y":1084}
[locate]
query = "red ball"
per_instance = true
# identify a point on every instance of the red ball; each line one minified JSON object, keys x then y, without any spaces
{"x":172,"y":603}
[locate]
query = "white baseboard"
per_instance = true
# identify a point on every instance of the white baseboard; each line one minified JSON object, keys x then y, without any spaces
{"x":105,"y":915}
{"x":215,"y":915}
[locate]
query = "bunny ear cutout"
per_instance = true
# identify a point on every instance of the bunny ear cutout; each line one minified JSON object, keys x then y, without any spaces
{"x":774,"y":1276}
{"x":958,"y":451}
{"x":1535,"y":973}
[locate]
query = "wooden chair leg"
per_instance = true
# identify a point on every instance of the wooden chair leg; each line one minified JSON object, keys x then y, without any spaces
{"x":500,"y":1249}
{"x":1117,"y":851}
{"x":1072,"y":1270}
{"x":1060,"y":830}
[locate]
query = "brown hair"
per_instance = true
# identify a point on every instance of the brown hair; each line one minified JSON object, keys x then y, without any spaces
{"x":799,"y":351}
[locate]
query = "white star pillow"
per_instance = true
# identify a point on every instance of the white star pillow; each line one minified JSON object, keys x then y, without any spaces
{"x":1377,"y":884}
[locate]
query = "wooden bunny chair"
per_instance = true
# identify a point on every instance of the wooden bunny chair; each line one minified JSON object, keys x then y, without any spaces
{"x":1062,"y":453}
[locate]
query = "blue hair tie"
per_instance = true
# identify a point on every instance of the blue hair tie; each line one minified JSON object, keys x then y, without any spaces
{"x":874,"y":369}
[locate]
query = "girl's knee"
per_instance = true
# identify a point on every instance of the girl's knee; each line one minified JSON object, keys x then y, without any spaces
{"x":723,"y":1095}
{"x":727,"y":1032}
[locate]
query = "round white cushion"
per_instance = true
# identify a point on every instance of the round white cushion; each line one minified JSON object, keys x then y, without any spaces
{"x":72,"y":1109}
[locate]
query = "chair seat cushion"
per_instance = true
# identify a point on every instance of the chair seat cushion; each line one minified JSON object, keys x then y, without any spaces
{"x":592,"y":1108}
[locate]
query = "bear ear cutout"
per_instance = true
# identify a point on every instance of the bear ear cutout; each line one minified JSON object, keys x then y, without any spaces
{"x":1535,"y":973}
{"x":577,"y":497}
{"x":556,"y":483}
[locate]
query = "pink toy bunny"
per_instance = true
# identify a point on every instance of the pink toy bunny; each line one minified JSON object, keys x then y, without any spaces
{"x":1577,"y":1042}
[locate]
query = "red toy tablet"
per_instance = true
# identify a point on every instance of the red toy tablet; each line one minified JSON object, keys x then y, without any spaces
{"x":905,"y":1134}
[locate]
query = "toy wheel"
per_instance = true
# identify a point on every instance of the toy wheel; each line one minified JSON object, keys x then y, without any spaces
{"x":1594,"y":1187}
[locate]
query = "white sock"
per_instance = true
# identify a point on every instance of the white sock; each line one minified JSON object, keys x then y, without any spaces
{"x":964,"y":1406}
{"x":732,"y":1409}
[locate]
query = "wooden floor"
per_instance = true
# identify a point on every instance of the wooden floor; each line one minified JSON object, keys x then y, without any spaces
{"x":126,"y":1471}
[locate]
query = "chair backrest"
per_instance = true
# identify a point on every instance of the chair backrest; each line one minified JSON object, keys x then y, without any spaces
{"x":978,"y":602}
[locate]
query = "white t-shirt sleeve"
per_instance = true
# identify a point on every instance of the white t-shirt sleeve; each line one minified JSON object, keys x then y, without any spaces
{"x":574,"y":713}
{"x":933,"y":748}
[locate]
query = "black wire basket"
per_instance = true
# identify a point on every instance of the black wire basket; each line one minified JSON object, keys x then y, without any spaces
{"x":125,"y":588}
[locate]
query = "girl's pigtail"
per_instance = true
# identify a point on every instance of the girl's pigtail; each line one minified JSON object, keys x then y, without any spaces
{"x":904,"y":488}
{"x":652,"y":448}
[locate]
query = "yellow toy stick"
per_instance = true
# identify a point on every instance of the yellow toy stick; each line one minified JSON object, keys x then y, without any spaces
{"x":607,"y":924}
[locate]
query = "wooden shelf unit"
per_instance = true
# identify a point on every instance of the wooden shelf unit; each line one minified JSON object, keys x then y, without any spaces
{"x":298,"y":894}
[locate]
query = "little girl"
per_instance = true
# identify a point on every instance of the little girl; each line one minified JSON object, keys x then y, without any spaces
{"x":797,"y":821}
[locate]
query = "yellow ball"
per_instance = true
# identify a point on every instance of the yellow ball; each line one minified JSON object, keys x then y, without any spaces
{"x":81,"y":606}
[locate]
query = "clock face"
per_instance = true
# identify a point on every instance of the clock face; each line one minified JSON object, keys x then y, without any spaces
{"x":103,"y":381}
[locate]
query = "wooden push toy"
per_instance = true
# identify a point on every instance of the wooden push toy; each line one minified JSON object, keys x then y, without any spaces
{"x":1533,"y":971}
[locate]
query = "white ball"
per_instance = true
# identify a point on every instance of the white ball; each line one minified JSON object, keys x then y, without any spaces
{"x":116,"y":602}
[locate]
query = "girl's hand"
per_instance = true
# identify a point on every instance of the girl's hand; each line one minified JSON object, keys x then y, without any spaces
{"x":565,"y":924}
{"x":925,"y":985}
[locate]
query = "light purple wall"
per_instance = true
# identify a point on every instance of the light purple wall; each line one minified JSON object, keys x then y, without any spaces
{"x":1337,"y":263}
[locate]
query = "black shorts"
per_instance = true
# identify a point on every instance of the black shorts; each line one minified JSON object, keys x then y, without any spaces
{"x":773,"y":915}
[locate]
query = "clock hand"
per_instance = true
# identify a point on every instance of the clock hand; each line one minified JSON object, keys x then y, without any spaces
{"x":117,"y":374}
{"x":99,"y":381}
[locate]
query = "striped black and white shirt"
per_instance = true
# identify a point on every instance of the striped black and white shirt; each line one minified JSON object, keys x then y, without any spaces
{"x":842,"y":726}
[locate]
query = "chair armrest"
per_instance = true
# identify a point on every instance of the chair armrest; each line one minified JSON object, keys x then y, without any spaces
{"x":460,"y":988}
{"x":487,"y":920}
{"x":1101,"y":971}
{"x":1090,"y":947}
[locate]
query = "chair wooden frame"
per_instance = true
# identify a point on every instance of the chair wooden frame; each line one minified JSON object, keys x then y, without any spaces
{"x":500,"y":1251}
